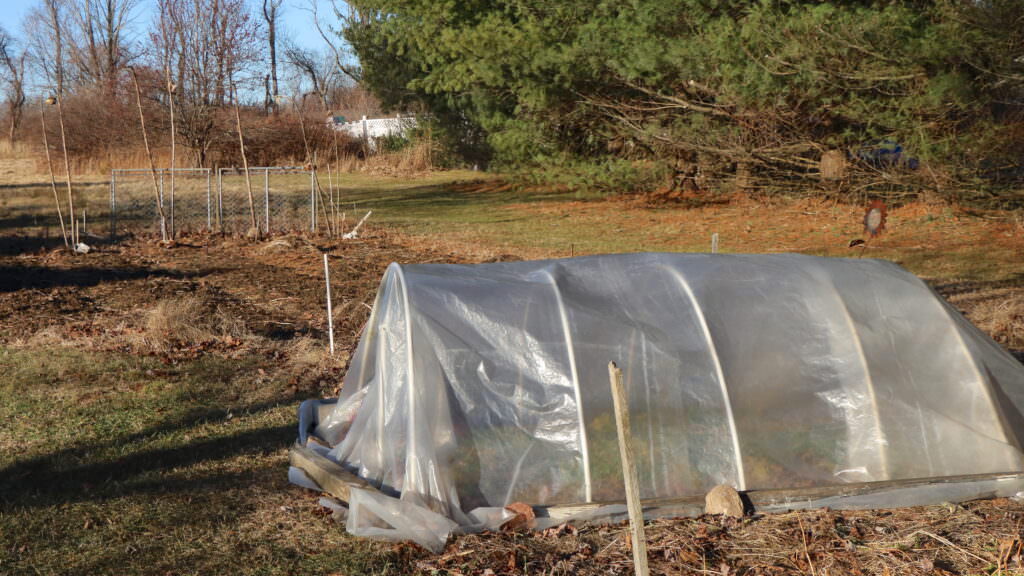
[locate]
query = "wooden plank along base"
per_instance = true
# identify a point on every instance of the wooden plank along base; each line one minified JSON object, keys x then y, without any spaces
{"x":336,"y":480}
{"x":328,"y":474}
{"x":854,"y":496}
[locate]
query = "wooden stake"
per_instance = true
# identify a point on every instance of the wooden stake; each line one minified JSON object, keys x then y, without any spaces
{"x":330,"y":192}
{"x":53,"y":181}
{"x":67,"y":163}
{"x":636,"y":513}
{"x":245,"y":166}
{"x":149,"y":154}
{"x":330,"y":313}
{"x":170,"y":101}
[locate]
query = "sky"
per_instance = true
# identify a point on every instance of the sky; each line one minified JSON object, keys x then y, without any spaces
{"x":296,"y":22}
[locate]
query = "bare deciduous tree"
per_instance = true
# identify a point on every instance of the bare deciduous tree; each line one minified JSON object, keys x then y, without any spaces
{"x":331,"y":36}
{"x":271,"y":10}
{"x":319,"y":69}
{"x":44,"y":41}
{"x":12,"y":74}
{"x":94,"y":48}
{"x":96,"y":40}
{"x":209,"y":45}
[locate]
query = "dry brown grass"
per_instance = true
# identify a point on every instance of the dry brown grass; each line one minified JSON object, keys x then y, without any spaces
{"x":190,"y":320}
{"x":22,"y":162}
{"x":1000,"y":313}
{"x":411,"y":160}
{"x":308,"y":355}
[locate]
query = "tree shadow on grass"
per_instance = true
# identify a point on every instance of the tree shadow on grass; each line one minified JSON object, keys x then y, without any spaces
{"x":47,"y":480}
{"x":979,"y":287}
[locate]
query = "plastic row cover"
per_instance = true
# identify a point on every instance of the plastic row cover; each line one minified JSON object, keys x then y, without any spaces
{"x":477,"y":386}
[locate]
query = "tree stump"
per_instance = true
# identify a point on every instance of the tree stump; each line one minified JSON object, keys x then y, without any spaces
{"x":832,"y":165}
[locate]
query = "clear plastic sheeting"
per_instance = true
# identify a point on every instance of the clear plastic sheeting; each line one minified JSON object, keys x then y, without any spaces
{"x":479,"y":386}
{"x":375,"y":515}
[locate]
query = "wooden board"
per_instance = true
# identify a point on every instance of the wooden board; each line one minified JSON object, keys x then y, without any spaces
{"x":329,"y":475}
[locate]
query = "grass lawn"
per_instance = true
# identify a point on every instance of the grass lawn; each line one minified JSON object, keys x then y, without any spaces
{"x":148,"y":394}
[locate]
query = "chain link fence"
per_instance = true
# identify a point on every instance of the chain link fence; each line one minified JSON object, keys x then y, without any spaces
{"x":283,"y":198}
{"x":133,"y":201}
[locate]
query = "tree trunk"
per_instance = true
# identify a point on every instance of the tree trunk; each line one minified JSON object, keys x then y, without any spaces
{"x":273,"y":57}
{"x":270,"y":8}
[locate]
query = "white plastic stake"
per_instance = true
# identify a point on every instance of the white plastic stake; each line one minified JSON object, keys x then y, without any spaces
{"x":714,"y":243}
{"x":330,"y":315}
{"x":355,"y":231}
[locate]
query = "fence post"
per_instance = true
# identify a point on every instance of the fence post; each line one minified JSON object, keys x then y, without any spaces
{"x":312,"y":201}
{"x":266,"y":198}
{"x":163,"y":223}
{"x":172,"y":203}
{"x":220,"y":199}
{"x":113,"y":205}
{"x":209,"y":210}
